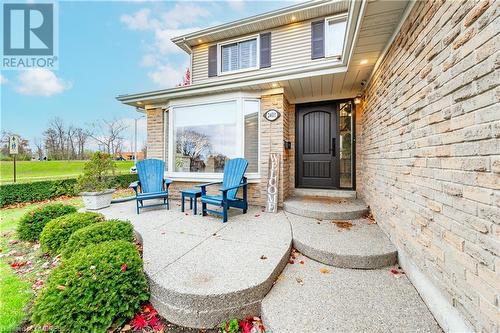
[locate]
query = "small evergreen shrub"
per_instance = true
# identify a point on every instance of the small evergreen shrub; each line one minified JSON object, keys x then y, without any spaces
{"x":98,"y":233}
{"x":99,"y":285}
{"x":58,"y":231}
{"x":31,"y":224}
{"x":98,"y":174}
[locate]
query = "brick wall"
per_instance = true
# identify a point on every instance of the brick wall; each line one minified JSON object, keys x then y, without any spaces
{"x":428,"y":159}
{"x":155,"y":133}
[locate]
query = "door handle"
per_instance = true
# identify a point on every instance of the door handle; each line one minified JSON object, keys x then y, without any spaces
{"x":333,"y":148}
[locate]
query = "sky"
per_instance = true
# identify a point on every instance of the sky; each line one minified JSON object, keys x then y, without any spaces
{"x":106,"y":49}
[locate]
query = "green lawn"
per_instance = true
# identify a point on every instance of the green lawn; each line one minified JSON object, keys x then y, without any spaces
{"x":43,"y":170}
{"x":15,"y":289}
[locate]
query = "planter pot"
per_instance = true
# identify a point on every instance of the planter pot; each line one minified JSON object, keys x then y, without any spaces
{"x":97,"y":200}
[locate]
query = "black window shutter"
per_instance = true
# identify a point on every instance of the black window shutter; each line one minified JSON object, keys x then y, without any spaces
{"x":212,"y":61}
{"x":265,"y":50}
{"x":318,"y":39}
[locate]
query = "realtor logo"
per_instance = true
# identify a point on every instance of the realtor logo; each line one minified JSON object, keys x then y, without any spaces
{"x":29,"y":35}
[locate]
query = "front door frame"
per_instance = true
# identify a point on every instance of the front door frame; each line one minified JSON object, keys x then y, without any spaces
{"x":337,"y":138}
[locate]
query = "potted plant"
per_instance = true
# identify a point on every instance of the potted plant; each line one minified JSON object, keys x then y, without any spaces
{"x":96,"y":183}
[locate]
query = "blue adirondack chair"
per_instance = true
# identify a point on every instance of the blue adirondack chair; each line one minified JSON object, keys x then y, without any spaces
{"x":234,"y":172}
{"x":151,"y":184}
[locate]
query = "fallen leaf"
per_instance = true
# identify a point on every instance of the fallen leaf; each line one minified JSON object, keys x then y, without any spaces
{"x":263,"y":257}
{"x":61,"y":287}
{"x":347,"y":225}
{"x":123,"y":267}
{"x":301,"y":262}
{"x":257,"y":215}
{"x":299,"y":281}
{"x":13,"y":241}
{"x":324,"y":270}
{"x":291,"y":261}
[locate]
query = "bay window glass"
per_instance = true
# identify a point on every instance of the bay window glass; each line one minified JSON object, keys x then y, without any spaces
{"x":251,"y":113}
{"x":334,"y":36}
{"x":205,"y":136}
{"x":240,"y":55}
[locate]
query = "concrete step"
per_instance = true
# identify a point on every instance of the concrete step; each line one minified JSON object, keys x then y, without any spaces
{"x":201,"y":271}
{"x":311,"y":192}
{"x":304,"y":299}
{"x":321,"y":207}
{"x":348,"y":244}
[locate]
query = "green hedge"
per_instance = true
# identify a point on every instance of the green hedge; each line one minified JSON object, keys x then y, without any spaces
{"x":97,"y":233}
{"x":58,"y":231}
{"x":48,"y":189}
{"x":100,"y":285}
{"x":32,"y":223}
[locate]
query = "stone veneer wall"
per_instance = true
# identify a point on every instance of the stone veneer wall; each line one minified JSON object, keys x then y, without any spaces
{"x":272,"y":135}
{"x":428,"y":160}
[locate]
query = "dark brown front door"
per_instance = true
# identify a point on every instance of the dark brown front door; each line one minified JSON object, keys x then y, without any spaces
{"x":317,"y":148}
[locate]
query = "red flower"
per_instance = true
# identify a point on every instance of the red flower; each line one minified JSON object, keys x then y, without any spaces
{"x":158,"y":327}
{"x":123,"y":268}
{"x":245,"y":326}
{"x":394,"y":271}
{"x":139,"y":322}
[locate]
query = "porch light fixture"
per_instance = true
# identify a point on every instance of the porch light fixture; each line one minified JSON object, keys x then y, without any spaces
{"x":357,"y":100}
{"x":363,"y":62}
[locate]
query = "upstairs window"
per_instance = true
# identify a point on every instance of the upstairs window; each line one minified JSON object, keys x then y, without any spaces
{"x":335,"y":35}
{"x":241,"y":55}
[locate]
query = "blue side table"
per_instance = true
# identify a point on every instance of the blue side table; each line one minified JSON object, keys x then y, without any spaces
{"x":193,"y":194}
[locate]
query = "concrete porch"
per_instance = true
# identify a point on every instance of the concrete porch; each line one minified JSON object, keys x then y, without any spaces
{"x":203,"y":272}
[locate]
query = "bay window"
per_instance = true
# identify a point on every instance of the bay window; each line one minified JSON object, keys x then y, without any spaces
{"x":204,"y":136}
{"x":239,"y":55}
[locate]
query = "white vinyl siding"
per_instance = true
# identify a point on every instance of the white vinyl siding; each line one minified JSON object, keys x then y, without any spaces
{"x":290,"y":48}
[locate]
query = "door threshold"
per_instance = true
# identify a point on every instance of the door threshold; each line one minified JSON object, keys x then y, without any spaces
{"x":334,"y":193}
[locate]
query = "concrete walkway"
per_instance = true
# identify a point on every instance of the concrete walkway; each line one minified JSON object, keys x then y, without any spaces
{"x":202,"y":271}
{"x":313,"y":297}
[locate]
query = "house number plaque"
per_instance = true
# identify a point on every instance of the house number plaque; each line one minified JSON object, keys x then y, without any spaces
{"x":272,"y":114}
{"x":272,"y":183}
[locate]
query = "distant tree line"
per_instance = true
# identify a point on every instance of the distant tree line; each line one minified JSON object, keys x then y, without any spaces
{"x":61,"y":141}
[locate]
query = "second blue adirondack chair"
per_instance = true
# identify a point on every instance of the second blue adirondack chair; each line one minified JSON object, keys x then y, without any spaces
{"x":151,"y":184}
{"x":234,"y":172}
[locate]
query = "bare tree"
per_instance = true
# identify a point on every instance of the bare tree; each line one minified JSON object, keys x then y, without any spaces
{"x":24,"y":150}
{"x":81,"y":136}
{"x":108,"y":134}
{"x":51,"y":144}
{"x":57,"y":124}
{"x":39,"y":147}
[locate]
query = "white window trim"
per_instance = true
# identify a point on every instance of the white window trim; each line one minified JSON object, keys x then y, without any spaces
{"x":209,"y":176}
{"x":337,"y":18}
{"x":237,"y":40}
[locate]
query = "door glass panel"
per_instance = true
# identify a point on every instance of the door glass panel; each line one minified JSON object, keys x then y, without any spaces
{"x":346,"y":123}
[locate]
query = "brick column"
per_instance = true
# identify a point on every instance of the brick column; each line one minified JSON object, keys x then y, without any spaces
{"x":155,"y":133}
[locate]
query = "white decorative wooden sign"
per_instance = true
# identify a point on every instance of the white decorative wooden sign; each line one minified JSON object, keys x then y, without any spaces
{"x":273,"y":183}
{"x":13,"y":145}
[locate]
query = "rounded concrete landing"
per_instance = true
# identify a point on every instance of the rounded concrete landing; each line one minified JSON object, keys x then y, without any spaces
{"x":323,"y":207}
{"x":348,"y":244}
{"x":343,"y":300}
{"x":201,"y":271}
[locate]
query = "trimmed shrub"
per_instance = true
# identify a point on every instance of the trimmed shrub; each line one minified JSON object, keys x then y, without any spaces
{"x":31,"y":224}
{"x":48,"y":189}
{"x":58,"y":231}
{"x":100,"y":285}
{"x":98,"y":233}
